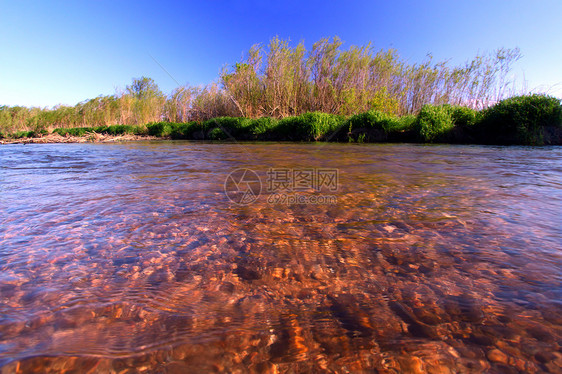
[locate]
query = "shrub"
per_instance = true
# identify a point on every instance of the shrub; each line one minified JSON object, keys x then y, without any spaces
{"x":520,"y":120}
{"x":223,"y":128}
{"x":368,"y":126}
{"x":187,"y":130}
{"x":100,"y":129}
{"x":405,"y":123}
{"x":289,"y":128}
{"x":118,"y":130}
{"x":76,"y":131}
{"x":376,"y":126}
{"x":260,"y":127}
{"x":111,"y":130}
{"x":402,"y":129}
{"x":310,"y":126}
{"x":321,"y":125}
{"x":464,"y":116}
{"x":122,"y":129}
{"x":22,"y":134}
{"x":433,"y":123}
{"x":139,"y":130}
{"x":160,"y":129}
{"x":218,"y":134}
{"x":371,"y":119}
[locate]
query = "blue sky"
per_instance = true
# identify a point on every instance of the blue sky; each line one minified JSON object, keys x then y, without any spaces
{"x":65,"y":52}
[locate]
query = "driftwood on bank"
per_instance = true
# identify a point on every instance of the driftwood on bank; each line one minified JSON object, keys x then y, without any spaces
{"x":87,"y":138}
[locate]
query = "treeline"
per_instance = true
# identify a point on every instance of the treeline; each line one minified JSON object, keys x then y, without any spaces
{"x":528,"y":120}
{"x":281,"y":81}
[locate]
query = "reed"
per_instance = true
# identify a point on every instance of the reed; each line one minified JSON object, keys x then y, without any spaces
{"x":284,"y":92}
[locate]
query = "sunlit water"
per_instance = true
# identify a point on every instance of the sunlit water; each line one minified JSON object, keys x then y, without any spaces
{"x":122,"y":257}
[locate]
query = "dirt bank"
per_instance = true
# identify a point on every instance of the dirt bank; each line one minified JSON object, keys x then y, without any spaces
{"x":88,"y":138}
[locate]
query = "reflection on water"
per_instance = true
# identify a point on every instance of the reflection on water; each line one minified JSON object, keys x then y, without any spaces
{"x":434,"y":259}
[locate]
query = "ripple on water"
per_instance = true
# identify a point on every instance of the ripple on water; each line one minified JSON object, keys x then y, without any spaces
{"x":442,"y":258}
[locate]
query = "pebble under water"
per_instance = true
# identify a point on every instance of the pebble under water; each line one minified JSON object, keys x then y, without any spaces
{"x":130,"y":257}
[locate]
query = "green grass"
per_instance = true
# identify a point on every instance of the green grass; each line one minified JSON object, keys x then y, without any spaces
{"x":308,"y":127}
{"x":125,"y":129}
{"x":434,"y":123}
{"x":223,"y":128}
{"x":261,"y":128}
{"x":376,"y":126}
{"x":109,"y":130}
{"x":160,"y":129}
{"x":189,"y":130}
{"x":24,"y":134}
{"x":76,"y":131}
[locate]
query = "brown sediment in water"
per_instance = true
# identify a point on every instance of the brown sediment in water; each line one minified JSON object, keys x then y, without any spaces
{"x":424,"y":264}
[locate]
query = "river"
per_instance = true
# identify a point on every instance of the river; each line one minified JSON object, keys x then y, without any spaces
{"x":280,"y":257}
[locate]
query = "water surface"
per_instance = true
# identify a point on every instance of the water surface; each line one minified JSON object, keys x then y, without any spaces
{"x":116,"y":257}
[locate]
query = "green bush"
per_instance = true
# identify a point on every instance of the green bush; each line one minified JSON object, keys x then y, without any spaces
{"x":36,"y":133}
{"x":321,"y":125}
{"x":371,"y":119}
{"x":139,"y":130}
{"x":76,"y":131}
{"x":463,"y":116}
{"x":218,"y":134}
{"x":100,"y":129}
{"x":167,"y":129}
{"x":401,"y":129}
{"x":160,"y":129}
{"x":187,"y":130}
{"x":433,"y":123}
{"x":260,"y":127}
{"x":376,"y":126}
{"x":223,"y":128}
{"x":22,"y":134}
{"x":123,"y":129}
{"x":288,"y":128}
{"x":367,"y":126}
{"x":405,"y":123}
{"x":110,"y":130}
{"x":118,"y":130}
{"x":520,"y":120}
{"x":311,"y":126}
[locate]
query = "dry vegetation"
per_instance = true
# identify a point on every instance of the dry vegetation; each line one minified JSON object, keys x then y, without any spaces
{"x":281,"y":81}
{"x":280,"y":92}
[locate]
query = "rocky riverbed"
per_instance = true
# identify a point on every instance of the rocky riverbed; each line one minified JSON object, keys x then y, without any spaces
{"x":425,"y":263}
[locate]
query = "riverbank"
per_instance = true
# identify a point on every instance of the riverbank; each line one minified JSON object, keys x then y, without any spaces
{"x":523,"y":120}
{"x":89,"y":138}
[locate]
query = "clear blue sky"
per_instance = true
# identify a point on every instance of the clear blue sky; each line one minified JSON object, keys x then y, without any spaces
{"x":65,"y":52}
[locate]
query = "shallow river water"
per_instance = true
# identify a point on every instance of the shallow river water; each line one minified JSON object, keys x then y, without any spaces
{"x":148,"y":257}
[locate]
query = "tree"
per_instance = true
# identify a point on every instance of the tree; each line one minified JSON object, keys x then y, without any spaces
{"x":144,"y":88}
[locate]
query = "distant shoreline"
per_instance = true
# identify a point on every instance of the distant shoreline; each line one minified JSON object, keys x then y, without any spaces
{"x":523,"y":120}
{"x":55,"y":138}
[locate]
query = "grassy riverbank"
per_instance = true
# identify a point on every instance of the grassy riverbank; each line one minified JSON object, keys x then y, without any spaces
{"x":524,"y":120}
{"x":281,"y":92}
{"x":280,"y":80}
